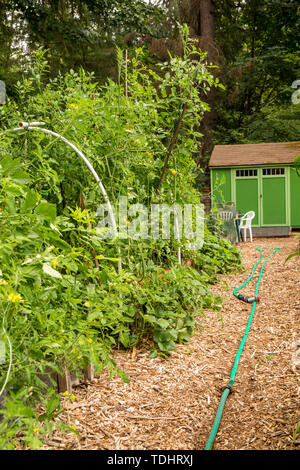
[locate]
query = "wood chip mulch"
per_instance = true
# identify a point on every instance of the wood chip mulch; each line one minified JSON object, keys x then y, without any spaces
{"x":171,"y":404}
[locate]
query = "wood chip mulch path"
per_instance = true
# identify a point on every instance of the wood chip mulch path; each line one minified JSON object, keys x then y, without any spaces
{"x":171,"y":404}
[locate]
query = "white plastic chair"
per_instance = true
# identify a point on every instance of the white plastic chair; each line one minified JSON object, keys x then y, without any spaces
{"x":226,"y":215}
{"x":245,"y":224}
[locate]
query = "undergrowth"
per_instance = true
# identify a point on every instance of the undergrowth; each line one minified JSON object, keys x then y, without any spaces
{"x":63,"y":301}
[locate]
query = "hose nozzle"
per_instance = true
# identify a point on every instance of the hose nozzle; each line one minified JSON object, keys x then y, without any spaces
{"x":249,"y":300}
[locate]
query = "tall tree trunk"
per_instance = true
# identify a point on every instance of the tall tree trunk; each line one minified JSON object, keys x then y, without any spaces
{"x":207,"y":22}
{"x":199,"y":16}
{"x":207,"y":43}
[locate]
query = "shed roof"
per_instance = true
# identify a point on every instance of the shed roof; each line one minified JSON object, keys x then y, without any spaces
{"x":254,"y":154}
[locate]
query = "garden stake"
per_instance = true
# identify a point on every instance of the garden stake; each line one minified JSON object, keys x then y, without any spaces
{"x":229,"y":386}
{"x":177,"y":127}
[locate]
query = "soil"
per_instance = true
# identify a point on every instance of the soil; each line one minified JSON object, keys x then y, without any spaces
{"x":171,"y":404}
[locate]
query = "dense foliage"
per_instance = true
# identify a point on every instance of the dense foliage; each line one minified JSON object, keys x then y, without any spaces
{"x":261,"y":61}
{"x":75,"y":33}
{"x":63,"y":301}
{"x":254,"y":44}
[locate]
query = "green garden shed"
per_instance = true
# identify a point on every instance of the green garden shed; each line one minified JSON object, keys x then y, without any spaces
{"x":259,"y":177}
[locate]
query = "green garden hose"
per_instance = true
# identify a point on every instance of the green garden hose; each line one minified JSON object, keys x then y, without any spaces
{"x":229,"y":386}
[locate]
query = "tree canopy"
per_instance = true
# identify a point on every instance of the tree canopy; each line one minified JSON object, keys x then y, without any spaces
{"x":254,"y":44}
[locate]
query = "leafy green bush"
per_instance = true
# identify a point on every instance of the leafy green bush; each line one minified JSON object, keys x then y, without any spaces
{"x":63,"y":302}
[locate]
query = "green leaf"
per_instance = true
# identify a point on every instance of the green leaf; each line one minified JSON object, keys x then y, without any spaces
{"x":47,"y":210}
{"x":150,"y":318}
{"x":35,"y":443}
{"x":29,"y":202}
{"x":297,"y":253}
{"x":124,"y":338}
{"x":123,"y":376}
{"x":163,"y":323}
{"x":109,"y":259}
{"x":153,"y":353}
{"x":103,"y":276}
{"x":297,"y":164}
{"x":297,"y":160}
{"x":183,"y":335}
{"x":20,"y":176}
{"x":22,"y":410}
{"x":52,"y":405}
{"x":189,"y":320}
{"x":8,"y":165}
{"x":164,"y":340}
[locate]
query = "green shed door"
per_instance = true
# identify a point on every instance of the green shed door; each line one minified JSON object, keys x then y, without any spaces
{"x":274,"y":200}
{"x":295,"y":198}
{"x":246,"y":195}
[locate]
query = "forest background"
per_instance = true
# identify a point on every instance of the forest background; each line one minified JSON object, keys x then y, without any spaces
{"x":254,"y":44}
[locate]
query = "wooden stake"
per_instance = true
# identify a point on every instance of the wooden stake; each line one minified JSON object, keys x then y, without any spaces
{"x":89,"y":372}
{"x":64,"y":383}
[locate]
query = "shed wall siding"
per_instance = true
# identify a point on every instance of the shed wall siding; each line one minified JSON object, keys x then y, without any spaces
{"x":295,"y":198}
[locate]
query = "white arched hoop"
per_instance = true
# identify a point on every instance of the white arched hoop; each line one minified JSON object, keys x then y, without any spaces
{"x":34,"y":126}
